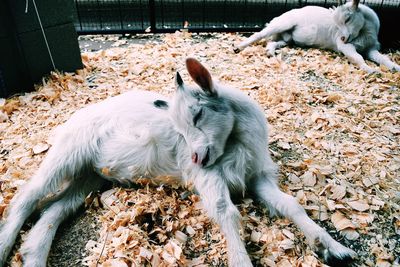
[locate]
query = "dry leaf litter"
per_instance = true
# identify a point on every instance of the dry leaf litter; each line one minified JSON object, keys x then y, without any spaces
{"x":334,"y":131}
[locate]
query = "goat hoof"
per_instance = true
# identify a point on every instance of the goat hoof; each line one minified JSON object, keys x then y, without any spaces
{"x":333,"y":261}
{"x":236,"y":50}
{"x":334,"y":253}
{"x":270,"y":54}
{"x":339,"y":258}
{"x":369,"y":70}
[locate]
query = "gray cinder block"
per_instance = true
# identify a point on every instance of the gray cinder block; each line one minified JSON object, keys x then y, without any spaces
{"x":24,"y":57}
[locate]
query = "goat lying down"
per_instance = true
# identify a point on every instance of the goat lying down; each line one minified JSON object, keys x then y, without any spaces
{"x":351,"y":28}
{"x":212,"y":135}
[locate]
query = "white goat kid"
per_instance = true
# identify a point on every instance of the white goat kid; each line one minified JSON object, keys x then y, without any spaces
{"x":212,"y":135}
{"x":351,"y":28}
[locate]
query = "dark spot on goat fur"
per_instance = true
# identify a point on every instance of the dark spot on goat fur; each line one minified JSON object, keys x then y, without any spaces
{"x":161,"y":104}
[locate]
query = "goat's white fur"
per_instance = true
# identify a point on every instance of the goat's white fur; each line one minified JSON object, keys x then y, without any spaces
{"x":351,"y":29}
{"x":223,"y":152}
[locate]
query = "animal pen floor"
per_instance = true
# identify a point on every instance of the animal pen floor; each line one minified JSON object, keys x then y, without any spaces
{"x":334,"y":131}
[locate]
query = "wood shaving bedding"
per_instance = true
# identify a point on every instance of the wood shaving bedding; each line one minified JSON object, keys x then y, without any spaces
{"x":334,"y":131}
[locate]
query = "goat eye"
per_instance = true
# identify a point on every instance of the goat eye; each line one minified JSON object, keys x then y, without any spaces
{"x":197,"y":117}
{"x":347,"y":20}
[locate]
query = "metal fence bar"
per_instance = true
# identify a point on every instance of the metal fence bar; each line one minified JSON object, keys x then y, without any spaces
{"x":120,"y":15}
{"x":152,"y":15}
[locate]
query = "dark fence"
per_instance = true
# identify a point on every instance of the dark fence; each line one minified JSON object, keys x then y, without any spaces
{"x":158,"y":16}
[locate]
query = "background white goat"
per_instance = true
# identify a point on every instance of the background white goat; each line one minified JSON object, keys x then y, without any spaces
{"x":351,"y":28}
{"x":212,"y":135}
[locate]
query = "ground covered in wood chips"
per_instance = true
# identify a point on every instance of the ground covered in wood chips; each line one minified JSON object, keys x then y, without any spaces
{"x":334,"y":131}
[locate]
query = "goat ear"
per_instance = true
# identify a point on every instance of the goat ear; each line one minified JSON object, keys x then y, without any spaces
{"x":355,"y":4}
{"x":178,"y":81}
{"x":200,"y":75}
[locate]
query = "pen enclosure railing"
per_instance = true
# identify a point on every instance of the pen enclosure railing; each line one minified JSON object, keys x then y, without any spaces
{"x":159,"y":16}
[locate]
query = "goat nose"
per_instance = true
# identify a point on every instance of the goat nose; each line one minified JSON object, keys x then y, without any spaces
{"x":343,"y":39}
{"x":195,"y":157}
